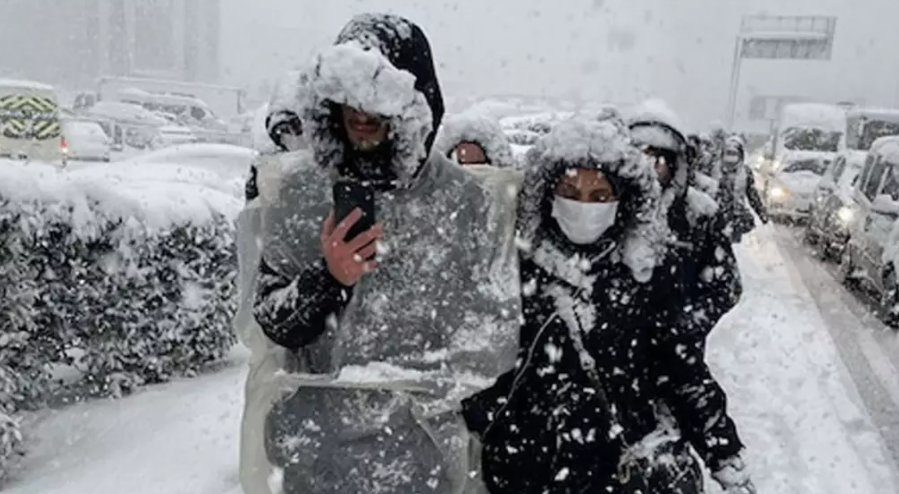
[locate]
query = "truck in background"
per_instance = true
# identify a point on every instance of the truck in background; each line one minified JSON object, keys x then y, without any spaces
{"x":29,"y":122}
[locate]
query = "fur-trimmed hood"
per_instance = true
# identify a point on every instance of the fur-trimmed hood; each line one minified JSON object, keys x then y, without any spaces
{"x":479,"y":129}
{"x":382,"y":65}
{"x":640,"y":232}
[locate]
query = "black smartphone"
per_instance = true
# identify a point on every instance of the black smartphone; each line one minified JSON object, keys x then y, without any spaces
{"x":349,"y":195}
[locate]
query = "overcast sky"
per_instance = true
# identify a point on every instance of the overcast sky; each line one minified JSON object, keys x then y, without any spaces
{"x":610,"y":50}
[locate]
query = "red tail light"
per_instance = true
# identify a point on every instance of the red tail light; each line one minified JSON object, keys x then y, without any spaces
{"x":63,"y":145}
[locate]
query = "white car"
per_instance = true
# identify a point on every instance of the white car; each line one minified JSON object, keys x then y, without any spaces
{"x":175,"y":135}
{"x":85,"y":140}
{"x":790,"y":191}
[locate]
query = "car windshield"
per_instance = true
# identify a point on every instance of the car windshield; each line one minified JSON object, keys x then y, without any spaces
{"x":811,"y":139}
{"x":876,"y":129}
{"x":816,"y":166}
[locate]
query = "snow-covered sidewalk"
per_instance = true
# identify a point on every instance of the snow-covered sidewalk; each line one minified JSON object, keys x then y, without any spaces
{"x":792,"y":396}
{"x":798,"y":410}
{"x":177,"y":438}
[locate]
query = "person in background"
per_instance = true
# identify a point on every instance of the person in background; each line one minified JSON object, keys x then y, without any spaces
{"x":475,"y":140}
{"x":738,"y":188}
{"x":702,"y":270}
{"x":581,"y":412}
{"x":394,"y":325}
{"x":284,"y":131}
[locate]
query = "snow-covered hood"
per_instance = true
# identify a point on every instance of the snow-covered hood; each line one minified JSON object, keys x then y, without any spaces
{"x":479,"y":129}
{"x":382,"y":65}
{"x":799,"y":183}
{"x":602,"y":146}
{"x":791,"y":156}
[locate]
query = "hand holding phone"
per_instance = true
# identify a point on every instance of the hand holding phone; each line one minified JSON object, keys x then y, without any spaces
{"x":349,"y":246}
{"x":349,"y":195}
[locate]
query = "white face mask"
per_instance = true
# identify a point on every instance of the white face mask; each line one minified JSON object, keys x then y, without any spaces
{"x":584,"y":222}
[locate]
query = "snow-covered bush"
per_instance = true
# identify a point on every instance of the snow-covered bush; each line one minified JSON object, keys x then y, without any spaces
{"x":10,"y":435}
{"x":128,"y":282}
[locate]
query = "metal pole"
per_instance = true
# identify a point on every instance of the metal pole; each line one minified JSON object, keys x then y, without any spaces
{"x":734,"y":83}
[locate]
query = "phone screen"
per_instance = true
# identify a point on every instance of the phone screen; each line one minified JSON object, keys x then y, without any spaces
{"x":349,"y":195}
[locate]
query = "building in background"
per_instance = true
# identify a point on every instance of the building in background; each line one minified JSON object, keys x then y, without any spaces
{"x":72,"y":43}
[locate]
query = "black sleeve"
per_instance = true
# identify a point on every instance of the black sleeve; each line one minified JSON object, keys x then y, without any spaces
{"x":719,"y":286}
{"x":293,"y":312}
{"x":755,"y":200}
{"x":698,"y":402}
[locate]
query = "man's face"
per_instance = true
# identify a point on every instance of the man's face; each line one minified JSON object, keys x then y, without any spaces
{"x":365,"y":132}
{"x":663,"y":161}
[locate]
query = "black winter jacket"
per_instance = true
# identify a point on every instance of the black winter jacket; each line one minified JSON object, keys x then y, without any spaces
{"x":703,"y":269}
{"x":548,"y":418}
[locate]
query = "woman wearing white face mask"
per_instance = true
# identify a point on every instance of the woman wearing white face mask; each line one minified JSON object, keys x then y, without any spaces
{"x":580,"y":412}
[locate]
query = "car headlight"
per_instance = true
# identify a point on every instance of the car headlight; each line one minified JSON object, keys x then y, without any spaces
{"x":845,"y":214}
{"x":777,"y":192}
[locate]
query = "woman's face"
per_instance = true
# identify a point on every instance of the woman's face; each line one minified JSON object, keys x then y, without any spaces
{"x":585,"y":185}
{"x":470,"y":153}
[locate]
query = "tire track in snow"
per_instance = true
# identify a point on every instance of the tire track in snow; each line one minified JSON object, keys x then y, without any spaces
{"x":852,"y":329}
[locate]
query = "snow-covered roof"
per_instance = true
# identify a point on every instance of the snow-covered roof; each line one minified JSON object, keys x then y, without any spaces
{"x":825,"y":117}
{"x":886,"y":114}
{"x":14,"y":83}
{"x":888,"y":148}
{"x":126,"y":112}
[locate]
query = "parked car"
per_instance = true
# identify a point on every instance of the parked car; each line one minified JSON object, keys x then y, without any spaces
{"x":871,"y":254}
{"x":791,"y":187}
{"x":174,"y":135}
{"x":29,"y":121}
{"x":85,"y":140}
{"x":832,"y":208}
{"x":128,"y":124}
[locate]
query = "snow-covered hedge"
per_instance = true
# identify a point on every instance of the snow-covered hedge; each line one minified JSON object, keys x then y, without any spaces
{"x":126,"y":281}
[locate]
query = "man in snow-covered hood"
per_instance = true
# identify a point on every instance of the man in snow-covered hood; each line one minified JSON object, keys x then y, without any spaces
{"x":395,"y":326}
{"x":701,"y":253}
{"x":475,"y":140}
{"x":738,"y":186}
{"x":704,"y":279}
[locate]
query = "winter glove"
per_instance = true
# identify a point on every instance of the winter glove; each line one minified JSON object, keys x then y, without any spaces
{"x":733,"y":476}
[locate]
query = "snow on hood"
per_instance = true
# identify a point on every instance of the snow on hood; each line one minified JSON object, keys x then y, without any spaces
{"x":381,"y":64}
{"x":655,"y":110}
{"x":653,"y":123}
{"x":480,"y":129}
{"x":602,"y":146}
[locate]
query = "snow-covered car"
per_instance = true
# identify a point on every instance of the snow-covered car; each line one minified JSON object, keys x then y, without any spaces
{"x":790,"y":191}
{"x":85,"y":140}
{"x":128,"y":124}
{"x":222,"y":158}
{"x":872,"y":253}
{"x":832,"y":209}
{"x":174,"y":135}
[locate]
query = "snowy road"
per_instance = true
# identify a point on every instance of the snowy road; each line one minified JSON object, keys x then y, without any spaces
{"x":869,"y":348}
{"x":813,"y":396}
